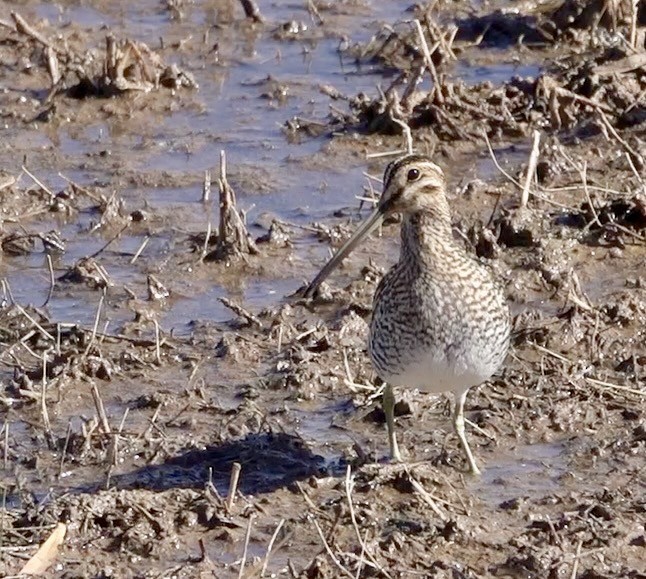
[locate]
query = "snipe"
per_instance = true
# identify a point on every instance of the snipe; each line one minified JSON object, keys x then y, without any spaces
{"x":440,"y":321}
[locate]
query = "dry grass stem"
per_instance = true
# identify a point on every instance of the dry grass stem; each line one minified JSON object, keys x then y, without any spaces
{"x":207,"y":237}
{"x":236,"y":468}
{"x":531,"y":168}
{"x":604,"y":384}
{"x":274,"y":536}
{"x":110,"y":241}
{"x":38,"y":182}
{"x":382,"y":154}
{"x":140,"y":250}
{"x":575,"y":563}
{"x":233,"y":238}
{"x":206,"y":187}
{"x":479,"y":429}
{"x":43,"y":400}
{"x":428,"y":61}
{"x":5,"y":450}
{"x":306,"y":497}
{"x":315,"y":15}
{"x":328,"y":549}
{"x":586,"y":192}
{"x":634,"y":5}
{"x":349,"y":484}
{"x":27,"y":315}
{"x":52,"y":280}
{"x":636,"y":157}
{"x":95,"y":327}
{"x":158,"y":357}
{"x":242,"y":312}
{"x":100,"y":410}
{"x":427,"y":497}
{"x":408,"y":135}
{"x":68,"y":433}
{"x":497,"y":165}
{"x":246,"y":545}
{"x":639,"y":178}
{"x":23,"y":27}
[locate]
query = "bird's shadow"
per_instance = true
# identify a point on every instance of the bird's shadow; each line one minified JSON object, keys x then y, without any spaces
{"x":268,"y":461}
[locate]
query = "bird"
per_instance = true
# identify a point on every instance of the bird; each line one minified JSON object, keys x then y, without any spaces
{"x":440,"y":320}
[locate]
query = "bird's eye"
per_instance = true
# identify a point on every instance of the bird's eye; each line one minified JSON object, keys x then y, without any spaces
{"x":413,"y":175}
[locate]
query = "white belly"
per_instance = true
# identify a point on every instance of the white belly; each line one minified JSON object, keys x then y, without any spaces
{"x":430,"y":378}
{"x":435,"y":374}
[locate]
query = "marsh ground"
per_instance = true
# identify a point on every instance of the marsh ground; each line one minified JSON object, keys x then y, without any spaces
{"x":129,"y":390}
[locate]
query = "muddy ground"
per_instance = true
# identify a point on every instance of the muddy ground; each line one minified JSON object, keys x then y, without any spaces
{"x":177,"y":434}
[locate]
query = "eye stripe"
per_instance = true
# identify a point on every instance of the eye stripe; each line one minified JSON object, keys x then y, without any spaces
{"x":394,"y":166}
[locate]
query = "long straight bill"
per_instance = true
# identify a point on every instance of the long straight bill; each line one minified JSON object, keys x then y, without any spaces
{"x":364,"y":230}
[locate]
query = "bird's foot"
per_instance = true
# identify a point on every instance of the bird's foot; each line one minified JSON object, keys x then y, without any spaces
{"x":474,"y":470}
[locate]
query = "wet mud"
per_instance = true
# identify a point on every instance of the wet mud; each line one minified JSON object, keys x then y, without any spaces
{"x":166,"y":394}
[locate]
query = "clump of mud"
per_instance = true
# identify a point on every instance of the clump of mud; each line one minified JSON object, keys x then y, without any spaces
{"x":124,"y":65}
{"x":580,"y":95}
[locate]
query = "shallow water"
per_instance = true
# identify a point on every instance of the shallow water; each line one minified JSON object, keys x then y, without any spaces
{"x":270,"y":174}
{"x":529,"y":472}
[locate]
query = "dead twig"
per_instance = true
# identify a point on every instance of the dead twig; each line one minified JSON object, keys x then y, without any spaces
{"x":636,"y":157}
{"x":243,"y":313}
{"x":270,"y":547}
{"x":427,"y":497}
{"x":52,"y":280}
{"x":328,"y":549}
{"x":428,"y":60}
{"x":233,"y":485}
{"x":531,"y":169}
{"x":349,"y":484}
{"x":246,"y":546}
{"x":100,"y":410}
{"x":24,"y":28}
{"x":233,"y":238}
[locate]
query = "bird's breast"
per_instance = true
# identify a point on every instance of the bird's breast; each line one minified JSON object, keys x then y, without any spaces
{"x":438,"y":334}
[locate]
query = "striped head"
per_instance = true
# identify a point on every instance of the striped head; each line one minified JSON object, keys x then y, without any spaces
{"x":413,"y":183}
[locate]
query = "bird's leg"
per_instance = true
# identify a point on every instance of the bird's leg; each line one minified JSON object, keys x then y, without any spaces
{"x":458,"y":423}
{"x":388,"y":404}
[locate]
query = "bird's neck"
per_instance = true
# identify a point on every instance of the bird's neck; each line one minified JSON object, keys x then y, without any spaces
{"x":427,"y":239}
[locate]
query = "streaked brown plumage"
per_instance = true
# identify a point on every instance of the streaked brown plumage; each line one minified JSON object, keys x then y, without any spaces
{"x":440,"y":321}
